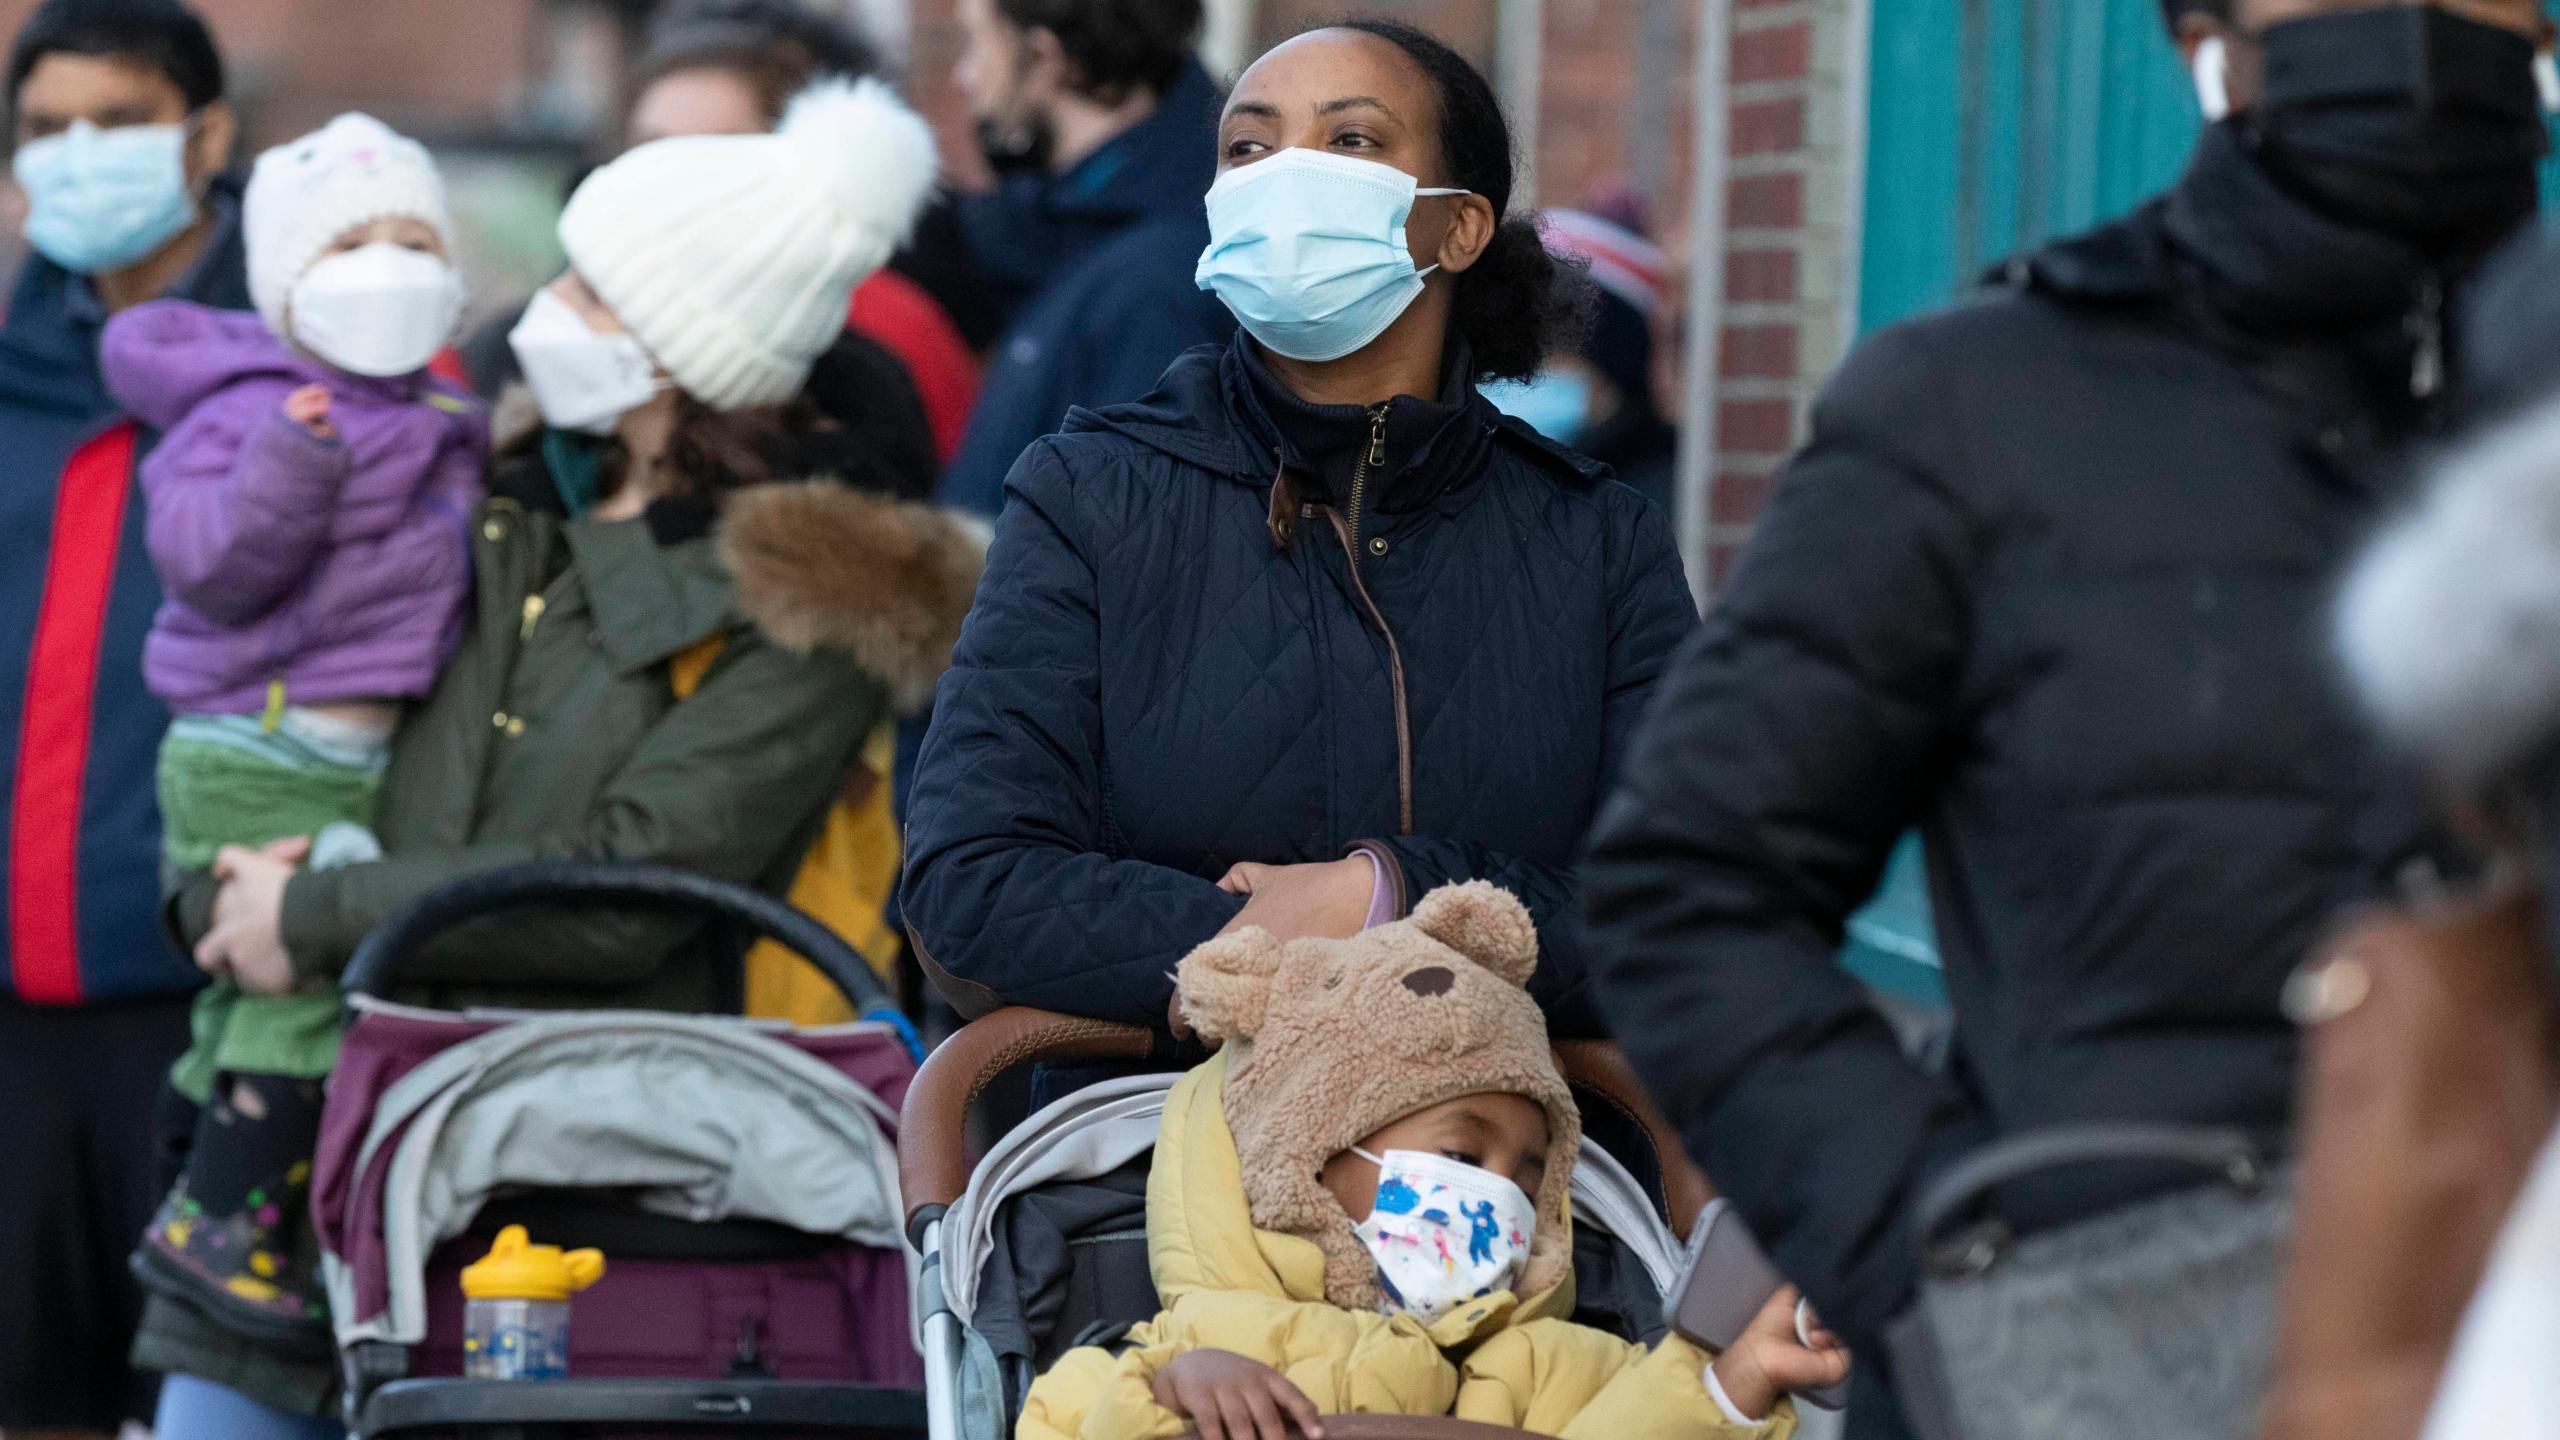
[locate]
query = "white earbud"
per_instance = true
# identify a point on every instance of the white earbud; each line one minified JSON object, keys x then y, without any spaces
{"x":2213,"y":89}
{"x":2546,"y":79}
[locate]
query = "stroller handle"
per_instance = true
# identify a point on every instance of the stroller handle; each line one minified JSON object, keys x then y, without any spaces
{"x":1602,"y":1069}
{"x":933,"y":1129}
{"x":933,"y":1152}
{"x":378,"y":958}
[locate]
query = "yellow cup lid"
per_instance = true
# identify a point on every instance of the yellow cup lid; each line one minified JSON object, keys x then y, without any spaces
{"x":518,"y":1269}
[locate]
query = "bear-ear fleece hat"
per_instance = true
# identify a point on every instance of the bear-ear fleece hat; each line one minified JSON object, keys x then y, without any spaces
{"x":732,"y":258}
{"x":1333,"y":1040}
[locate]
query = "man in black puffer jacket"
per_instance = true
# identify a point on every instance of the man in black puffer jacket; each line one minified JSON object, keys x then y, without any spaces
{"x":2050,"y":582}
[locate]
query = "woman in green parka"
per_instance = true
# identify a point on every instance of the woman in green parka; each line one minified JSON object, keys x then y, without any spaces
{"x":696,"y":601}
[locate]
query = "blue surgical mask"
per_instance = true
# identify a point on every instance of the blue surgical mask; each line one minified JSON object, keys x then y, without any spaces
{"x":100,"y":200}
{"x":1555,"y":403}
{"x":1308,"y":249}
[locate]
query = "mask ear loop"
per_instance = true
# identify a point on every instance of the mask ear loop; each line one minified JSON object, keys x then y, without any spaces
{"x":1422,"y":274}
{"x":2546,"y":80}
{"x":2213,"y":79}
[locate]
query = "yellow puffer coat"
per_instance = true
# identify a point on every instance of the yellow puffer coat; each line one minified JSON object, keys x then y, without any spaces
{"x":1228,"y":1286}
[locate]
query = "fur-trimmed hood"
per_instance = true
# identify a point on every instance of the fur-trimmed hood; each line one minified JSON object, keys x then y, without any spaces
{"x":2450,"y":624}
{"x":821,"y":565}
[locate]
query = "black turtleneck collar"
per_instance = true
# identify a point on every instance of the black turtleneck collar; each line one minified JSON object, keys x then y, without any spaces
{"x":1430,"y":444}
{"x":2275,"y":265}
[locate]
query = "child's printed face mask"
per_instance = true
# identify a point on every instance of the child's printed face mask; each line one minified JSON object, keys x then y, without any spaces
{"x":1443,"y":1232}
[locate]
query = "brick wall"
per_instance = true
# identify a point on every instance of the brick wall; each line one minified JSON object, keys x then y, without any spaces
{"x":1787,"y":255}
{"x":450,"y":65}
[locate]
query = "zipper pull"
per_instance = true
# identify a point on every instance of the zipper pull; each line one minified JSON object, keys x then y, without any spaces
{"x":2426,"y":367}
{"x":1378,"y":437}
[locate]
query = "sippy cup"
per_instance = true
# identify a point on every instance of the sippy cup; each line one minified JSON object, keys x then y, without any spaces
{"x":516,"y":1324}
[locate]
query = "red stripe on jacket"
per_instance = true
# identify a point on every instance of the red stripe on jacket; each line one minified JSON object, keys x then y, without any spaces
{"x":53,"y":737}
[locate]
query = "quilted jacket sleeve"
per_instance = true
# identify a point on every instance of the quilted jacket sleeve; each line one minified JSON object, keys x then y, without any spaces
{"x":1012,"y":892}
{"x":775,"y":728}
{"x":1795,"y":738}
{"x":240,"y":503}
{"x":1650,"y":612}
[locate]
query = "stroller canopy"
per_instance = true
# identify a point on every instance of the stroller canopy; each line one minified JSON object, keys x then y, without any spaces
{"x":704,"y":1119}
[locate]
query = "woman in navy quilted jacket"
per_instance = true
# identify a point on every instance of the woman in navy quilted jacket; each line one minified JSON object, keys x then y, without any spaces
{"x":1313,"y":628}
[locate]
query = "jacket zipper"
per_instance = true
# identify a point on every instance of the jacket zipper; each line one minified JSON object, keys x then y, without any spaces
{"x":1395,"y":673}
{"x":2426,"y":367}
{"x":1370,"y":459}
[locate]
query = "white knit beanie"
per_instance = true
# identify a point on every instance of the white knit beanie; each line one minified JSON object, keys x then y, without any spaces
{"x":731,"y":258}
{"x":306,"y":193}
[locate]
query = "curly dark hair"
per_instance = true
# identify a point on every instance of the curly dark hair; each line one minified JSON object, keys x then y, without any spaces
{"x":1517,"y":304}
{"x":1118,"y":47}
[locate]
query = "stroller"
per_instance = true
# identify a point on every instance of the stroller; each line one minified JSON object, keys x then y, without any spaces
{"x":739,"y":1176}
{"x":1041,"y":1246}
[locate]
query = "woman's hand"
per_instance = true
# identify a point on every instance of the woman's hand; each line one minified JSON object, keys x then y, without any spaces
{"x":1227,"y":1396}
{"x":246,"y":939}
{"x":1328,"y":900}
{"x":1772,"y":1357}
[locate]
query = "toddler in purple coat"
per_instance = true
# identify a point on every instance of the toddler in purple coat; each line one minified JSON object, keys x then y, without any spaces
{"x":308,"y":511}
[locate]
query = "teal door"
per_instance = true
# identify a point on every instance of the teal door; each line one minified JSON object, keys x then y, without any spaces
{"x":1993,"y":124}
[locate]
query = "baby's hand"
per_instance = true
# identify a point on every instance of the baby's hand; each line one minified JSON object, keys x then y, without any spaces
{"x":308,"y":407}
{"x":1227,"y":1396}
{"x":1769,"y":1359}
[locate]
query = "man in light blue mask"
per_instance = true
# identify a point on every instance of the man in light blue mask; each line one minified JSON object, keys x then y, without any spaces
{"x":121,"y":135}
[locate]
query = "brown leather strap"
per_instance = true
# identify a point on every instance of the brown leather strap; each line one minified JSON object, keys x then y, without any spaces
{"x":1601,"y":1069}
{"x":933,"y":1125}
{"x":1283,"y":519}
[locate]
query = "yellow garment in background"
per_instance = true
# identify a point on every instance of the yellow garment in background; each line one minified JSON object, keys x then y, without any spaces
{"x":844,"y":882}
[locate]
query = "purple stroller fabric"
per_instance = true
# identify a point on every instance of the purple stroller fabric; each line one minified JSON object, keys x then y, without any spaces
{"x":838,"y":1313}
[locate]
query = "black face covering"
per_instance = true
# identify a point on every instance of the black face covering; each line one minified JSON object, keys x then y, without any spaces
{"x":1019,"y":147}
{"x":2409,"y":119}
{"x":1018,"y":144}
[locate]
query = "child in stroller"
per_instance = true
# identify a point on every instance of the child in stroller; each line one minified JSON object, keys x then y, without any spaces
{"x":1358,"y":1205}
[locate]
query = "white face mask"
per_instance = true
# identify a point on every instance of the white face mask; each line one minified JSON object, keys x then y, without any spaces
{"x":380,"y":310}
{"x":583,"y":381}
{"x":1444,"y":1232}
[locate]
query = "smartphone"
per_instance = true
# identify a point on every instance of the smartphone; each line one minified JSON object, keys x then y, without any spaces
{"x":1722,"y":1287}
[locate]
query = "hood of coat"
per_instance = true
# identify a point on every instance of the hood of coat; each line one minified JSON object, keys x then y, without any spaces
{"x":1201,"y":1235}
{"x":822,"y":565}
{"x":2450,"y":623}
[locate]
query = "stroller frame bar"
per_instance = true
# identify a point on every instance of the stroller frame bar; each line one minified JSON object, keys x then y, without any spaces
{"x":581,"y":1406}
{"x":942,"y":1338}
